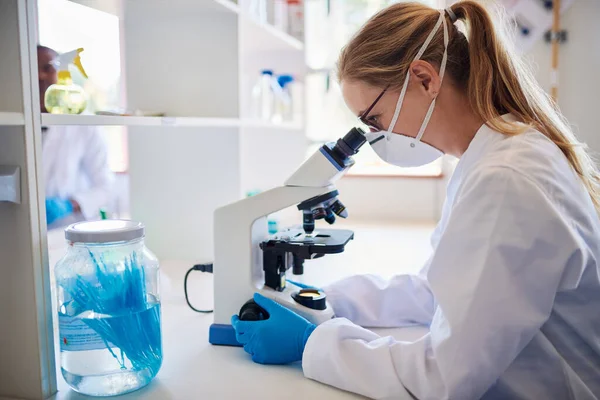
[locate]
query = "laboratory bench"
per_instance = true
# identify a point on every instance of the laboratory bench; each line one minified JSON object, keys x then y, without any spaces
{"x":194,"y":369}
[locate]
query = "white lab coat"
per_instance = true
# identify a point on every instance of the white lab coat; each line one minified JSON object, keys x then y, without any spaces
{"x":75,"y":161}
{"x":511,"y":294}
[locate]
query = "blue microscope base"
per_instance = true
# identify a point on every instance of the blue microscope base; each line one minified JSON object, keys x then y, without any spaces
{"x":222,"y":335}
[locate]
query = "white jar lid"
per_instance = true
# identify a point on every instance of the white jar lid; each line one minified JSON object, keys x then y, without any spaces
{"x":104,"y":231}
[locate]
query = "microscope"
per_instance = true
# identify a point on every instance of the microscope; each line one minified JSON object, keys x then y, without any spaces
{"x":248,"y":259}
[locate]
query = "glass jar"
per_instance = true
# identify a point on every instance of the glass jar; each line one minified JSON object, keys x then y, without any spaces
{"x":108,"y":308}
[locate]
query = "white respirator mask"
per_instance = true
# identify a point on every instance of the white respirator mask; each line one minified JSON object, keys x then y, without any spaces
{"x":402,"y":150}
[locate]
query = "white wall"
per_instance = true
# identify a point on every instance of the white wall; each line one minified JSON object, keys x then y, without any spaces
{"x":404,"y":199}
{"x":386,"y":199}
{"x":579,"y":69}
{"x":178,"y":177}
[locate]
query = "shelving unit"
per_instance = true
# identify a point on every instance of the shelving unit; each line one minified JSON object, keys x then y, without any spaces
{"x":209,"y":151}
{"x":194,"y":60}
{"x":109,"y":120}
{"x":27,"y":368}
{"x":12,"y":119}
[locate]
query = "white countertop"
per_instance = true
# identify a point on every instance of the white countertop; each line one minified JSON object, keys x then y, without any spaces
{"x":194,"y":369}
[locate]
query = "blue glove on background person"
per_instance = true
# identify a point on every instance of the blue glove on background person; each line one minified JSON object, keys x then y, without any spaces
{"x":280,"y":339}
{"x":57,"y":208}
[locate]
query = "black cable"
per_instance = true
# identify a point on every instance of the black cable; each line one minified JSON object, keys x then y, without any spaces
{"x":198,"y":267}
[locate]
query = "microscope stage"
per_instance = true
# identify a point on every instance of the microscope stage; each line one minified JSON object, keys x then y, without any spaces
{"x":322,"y":241}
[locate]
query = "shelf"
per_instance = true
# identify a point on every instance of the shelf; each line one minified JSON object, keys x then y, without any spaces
{"x":292,"y":126}
{"x":228,"y":5}
{"x":106,"y":120}
{"x":268,"y":37}
{"x":11,"y":119}
{"x":263,"y":35}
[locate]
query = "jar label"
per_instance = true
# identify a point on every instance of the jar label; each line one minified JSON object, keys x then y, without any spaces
{"x":76,"y":335}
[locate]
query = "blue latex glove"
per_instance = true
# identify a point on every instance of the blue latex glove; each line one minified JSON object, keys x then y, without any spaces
{"x":280,"y":339}
{"x":57,"y":208}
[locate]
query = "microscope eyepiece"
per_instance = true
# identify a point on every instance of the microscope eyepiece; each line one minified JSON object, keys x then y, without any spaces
{"x":341,"y":152}
{"x":351,"y":142}
{"x":355,"y":138}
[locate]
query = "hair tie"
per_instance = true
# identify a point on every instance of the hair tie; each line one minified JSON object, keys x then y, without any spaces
{"x":451,"y":15}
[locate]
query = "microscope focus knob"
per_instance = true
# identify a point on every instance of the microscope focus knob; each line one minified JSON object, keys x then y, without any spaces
{"x":311,"y":298}
{"x":251,"y":311}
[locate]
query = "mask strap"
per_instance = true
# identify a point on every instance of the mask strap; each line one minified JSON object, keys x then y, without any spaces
{"x":442,"y":71}
{"x":398,"y":105}
{"x":431,"y":35}
{"x":441,"y":20}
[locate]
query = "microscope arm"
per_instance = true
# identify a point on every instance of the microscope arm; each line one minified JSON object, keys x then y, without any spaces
{"x":239,"y":229}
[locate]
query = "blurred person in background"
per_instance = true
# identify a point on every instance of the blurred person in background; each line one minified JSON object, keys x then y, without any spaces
{"x":77,"y":175}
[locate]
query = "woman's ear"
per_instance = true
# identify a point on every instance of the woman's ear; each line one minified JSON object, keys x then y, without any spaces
{"x":427,"y":77}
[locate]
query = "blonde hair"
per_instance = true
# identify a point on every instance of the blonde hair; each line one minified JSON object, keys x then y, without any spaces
{"x":494,"y":79}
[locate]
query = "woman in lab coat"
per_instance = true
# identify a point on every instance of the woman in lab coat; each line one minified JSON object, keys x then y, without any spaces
{"x":511,"y":293}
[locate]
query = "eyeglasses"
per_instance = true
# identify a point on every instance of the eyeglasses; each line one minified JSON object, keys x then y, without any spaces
{"x":363,"y":117}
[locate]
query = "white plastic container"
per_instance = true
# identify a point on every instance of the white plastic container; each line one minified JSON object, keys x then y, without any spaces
{"x":257,"y":9}
{"x":296,"y":90}
{"x":269,"y":7}
{"x":284,"y":103}
{"x":263,"y":97}
{"x":280,"y":15}
{"x":296,"y":18}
